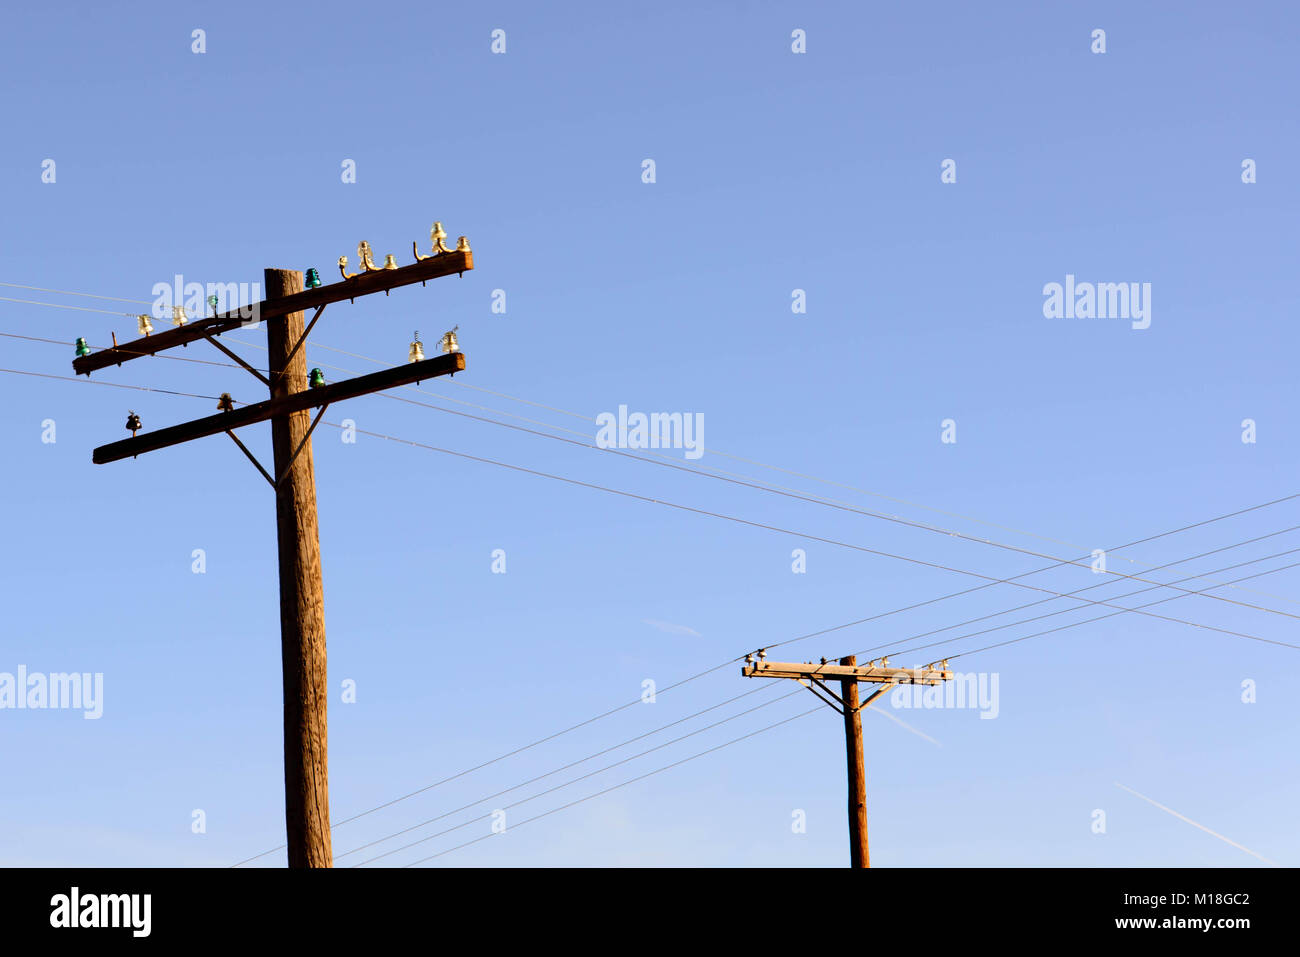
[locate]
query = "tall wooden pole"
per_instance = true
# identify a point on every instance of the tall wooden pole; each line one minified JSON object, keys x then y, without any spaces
{"x":858,"y":856}
{"x":302,"y":603}
{"x":302,"y":608}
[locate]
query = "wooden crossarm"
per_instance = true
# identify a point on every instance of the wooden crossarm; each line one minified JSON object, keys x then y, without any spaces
{"x":434,"y":267}
{"x":262,"y":411}
{"x":871,"y":673}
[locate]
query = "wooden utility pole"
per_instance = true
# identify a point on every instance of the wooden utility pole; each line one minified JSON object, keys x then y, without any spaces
{"x":292,"y":396}
{"x":858,"y":856}
{"x":302,"y":599}
{"x":848,"y":673}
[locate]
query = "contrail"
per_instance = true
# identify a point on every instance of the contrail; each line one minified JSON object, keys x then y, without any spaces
{"x":1201,"y":826}
{"x":893,"y":717}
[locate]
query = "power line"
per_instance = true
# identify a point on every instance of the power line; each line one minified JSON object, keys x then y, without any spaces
{"x":63,"y":305}
{"x":590,"y":419}
{"x":526,"y":747}
{"x":829,"y":502}
{"x":788,"y":532}
{"x":1181,"y":561}
{"x":775,"y":490}
{"x":86,"y":295}
{"x":827,"y":630}
{"x":742,"y":480}
{"x":718,"y":667}
{"x":550,"y":790}
{"x":764,"y":487}
{"x":730,"y":700}
{"x":1024,"y":621}
{"x":776,"y":528}
{"x":623,"y":784}
{"x":712,"y":451}
{"x":141,"y":388}
{"x":1058,"y":562}
{"x":565,"y":767}
{"x":701,"y":674}
{"x":63,"y":342}
{"x":1099,"y":618}
{"x":750,"y":735}
{"x":115,"y":385}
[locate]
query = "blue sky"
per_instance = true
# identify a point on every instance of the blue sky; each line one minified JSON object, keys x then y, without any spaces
{"x":774,"y":171}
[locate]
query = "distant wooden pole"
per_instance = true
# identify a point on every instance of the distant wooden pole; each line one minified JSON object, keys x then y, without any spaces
{"x":858,"y":856}
{"x":813,"y":676}
{"x":302,"y":602}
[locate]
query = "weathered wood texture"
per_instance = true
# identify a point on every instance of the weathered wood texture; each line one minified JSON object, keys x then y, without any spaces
{"x":858,"y":856}
{"x":302,"y":602}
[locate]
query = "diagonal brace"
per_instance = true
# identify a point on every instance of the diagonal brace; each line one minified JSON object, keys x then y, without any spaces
{"x":876,"y":694}
{"x":837,"y":708}
{"x":239,"y":359}
{"x":293,"y":458}
{"x":252,"y":458}
{"x":298,"y":345}
{"x":829,"y":692}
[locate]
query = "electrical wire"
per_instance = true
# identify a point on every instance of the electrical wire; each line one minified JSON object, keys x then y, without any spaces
{"x":623,"y":784}
{"x":565,"y":767}
{"x":912,"y":524}
{"x":1066,"y":611}
{"x":63,"y":305}
{"x":1119,"y":611}
{"x":1058,"y":562}
{"x":550,"y":790}
{"x":652,"y":452}
{"x":790,"y":493}
{"x":61,"y":342}
{"x":1214,"y":551}
{"x":775,"y":528}
{"x":115,"y":385}
{"x":712,"y":451}
{"x":1089,"y":621}
{"x":751,"y":734}
{"x":701,"y":674}
{"x":85,"y":295}
{"x":741,"y":738}
{"x":588,"y":419}
{"x":1198,"y":524}
{"x":765,"y":687}
{"x":540,"y":741}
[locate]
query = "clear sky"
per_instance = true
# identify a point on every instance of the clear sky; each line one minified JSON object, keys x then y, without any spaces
{"x":774,"y":171}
